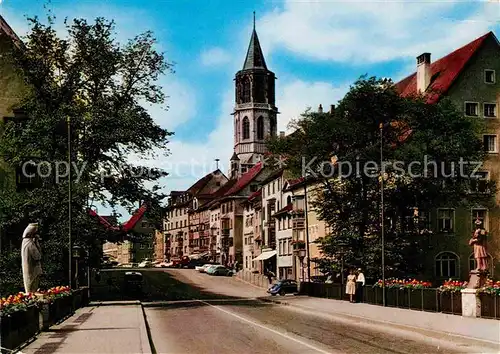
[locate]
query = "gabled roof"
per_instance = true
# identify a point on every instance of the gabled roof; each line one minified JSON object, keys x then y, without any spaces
{"x":129,"y":225}
{"x":255,"y":57}
{"x":245,"y":179}
{"x":294,"y":183}
{"x":202,"y":182}
{"x":444,"y":71}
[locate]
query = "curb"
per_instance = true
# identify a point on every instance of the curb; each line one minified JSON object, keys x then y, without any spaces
{"x":147,"y":345}
{"x":403,"y":327}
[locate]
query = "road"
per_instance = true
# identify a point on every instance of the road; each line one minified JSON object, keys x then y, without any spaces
{"x":235,"y":321}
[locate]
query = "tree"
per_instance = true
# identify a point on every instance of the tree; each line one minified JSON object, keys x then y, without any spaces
{"x":371,"y":115}
{"x":88,"y":87}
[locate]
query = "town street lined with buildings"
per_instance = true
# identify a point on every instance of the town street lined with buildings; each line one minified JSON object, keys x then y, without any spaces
{"x":234,"y":316}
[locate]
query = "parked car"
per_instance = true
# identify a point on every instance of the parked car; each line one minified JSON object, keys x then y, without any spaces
{"x":219,"y":270}
{"x":146,"y":264}
{"x":203,"y":268}
{"x":180,"y":262}
{"x":283,"y":287}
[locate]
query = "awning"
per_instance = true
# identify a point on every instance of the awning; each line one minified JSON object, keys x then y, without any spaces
{"x":265,"y":255}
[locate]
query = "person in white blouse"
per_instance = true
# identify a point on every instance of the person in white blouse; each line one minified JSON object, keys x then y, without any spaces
{"x":360,"y":283}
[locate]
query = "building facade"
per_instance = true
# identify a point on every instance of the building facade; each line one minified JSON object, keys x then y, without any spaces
{"x":469,"y":78}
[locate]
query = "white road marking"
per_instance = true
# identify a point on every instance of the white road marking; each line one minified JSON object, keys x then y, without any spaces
{"x":256,"y":324}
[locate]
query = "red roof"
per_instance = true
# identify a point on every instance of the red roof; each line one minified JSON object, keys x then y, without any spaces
{"x":286,"y":209}
{"x":129,"y":225}
{"x":255,"y":194}
{"x":103,"y":220}
{"x":444,"y":71}
{"x":245,"y":179}
{"x":293,"y":182}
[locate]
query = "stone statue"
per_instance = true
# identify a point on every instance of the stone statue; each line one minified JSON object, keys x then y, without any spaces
{"x":31,"y":258}
{"x":478,"y":242}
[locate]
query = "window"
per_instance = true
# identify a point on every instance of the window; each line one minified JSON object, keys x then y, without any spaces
{"x":176,"y":224}
{"x":246,"y":90}
{"x":142,"y":246}
{"x":185,"y":223}
{"x":479,"y":182}
{"x":489,"y":76}
{"x":274,"y":191}
{"x":471,"y":109}
{"x":260,"y":128}
{"x":479,"y":214}
{"x":288,"y":200}
{"x":490,"y":110}
{"x":446,"y":220}
{"x":246,"y":128}
{"x":290,"y":246}
{"x":473,"y":264}
{"x":490,"y":143}
{"x":447,"y":265}
{"x":217,"y":184}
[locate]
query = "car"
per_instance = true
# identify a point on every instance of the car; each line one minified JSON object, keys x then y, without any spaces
{"x":132,"y":283}
{"x":219,"y":270}
{"x":145,"y":264}
{"x":283,"y":287}
{"x":203,"y":268}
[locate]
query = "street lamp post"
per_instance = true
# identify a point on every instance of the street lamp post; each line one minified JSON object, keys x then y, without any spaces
{"x":342,"y":247}
{"x":381,"y":126}
{"x":70,"y":241}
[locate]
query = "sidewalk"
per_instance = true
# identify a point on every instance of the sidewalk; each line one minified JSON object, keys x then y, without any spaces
{"x":117,"y":327}
{"x":474,"y":328}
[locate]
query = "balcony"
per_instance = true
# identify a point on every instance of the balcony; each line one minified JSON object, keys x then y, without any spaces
{"x":225,"y":232}
{"x":298,"y":223}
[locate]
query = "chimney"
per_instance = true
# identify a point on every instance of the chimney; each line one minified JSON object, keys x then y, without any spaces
{"x":332,"y":109}
{"x":423,"y":72}
{"x":282,"y":134}
{"x":320,"y":109}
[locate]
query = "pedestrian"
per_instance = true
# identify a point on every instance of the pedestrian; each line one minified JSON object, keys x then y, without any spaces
{"x":350,"y":287}
{"x":270,"y":276}
{"x":360,"y":283}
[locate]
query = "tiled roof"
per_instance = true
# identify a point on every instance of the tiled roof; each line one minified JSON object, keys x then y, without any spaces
{"x":255,"y":194}
{"x":129,"y":225}
{"x":443,"y":71}
{"x":245,"y":179}
{"x":294,"y":182}
{"x":219,"y":193}
{"x":273,"y":176}
{"x":202,"y":182}
{"x":284,"y":210}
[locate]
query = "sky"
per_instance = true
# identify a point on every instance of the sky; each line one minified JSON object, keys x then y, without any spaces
{"x":317,"y":49}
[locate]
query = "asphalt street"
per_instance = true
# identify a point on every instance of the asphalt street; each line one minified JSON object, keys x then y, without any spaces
{"x":235,"y":321}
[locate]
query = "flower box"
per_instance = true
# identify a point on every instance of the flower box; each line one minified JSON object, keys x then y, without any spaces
{"x":19,"y":327}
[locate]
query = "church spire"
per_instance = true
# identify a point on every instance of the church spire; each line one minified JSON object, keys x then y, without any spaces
{"x":255,"y":57}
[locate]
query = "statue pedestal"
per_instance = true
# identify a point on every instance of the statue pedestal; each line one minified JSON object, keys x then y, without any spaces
{"x":471,"y":305}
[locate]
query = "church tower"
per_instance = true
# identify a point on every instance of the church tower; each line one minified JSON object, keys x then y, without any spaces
{"x":255,"y":113}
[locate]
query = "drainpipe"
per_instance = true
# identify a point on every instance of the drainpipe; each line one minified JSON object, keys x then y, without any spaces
{"x":307,"y":232}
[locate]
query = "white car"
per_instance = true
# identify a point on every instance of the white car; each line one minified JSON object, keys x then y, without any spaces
{"x":203,"y":268}
{"x":145,"y":264}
